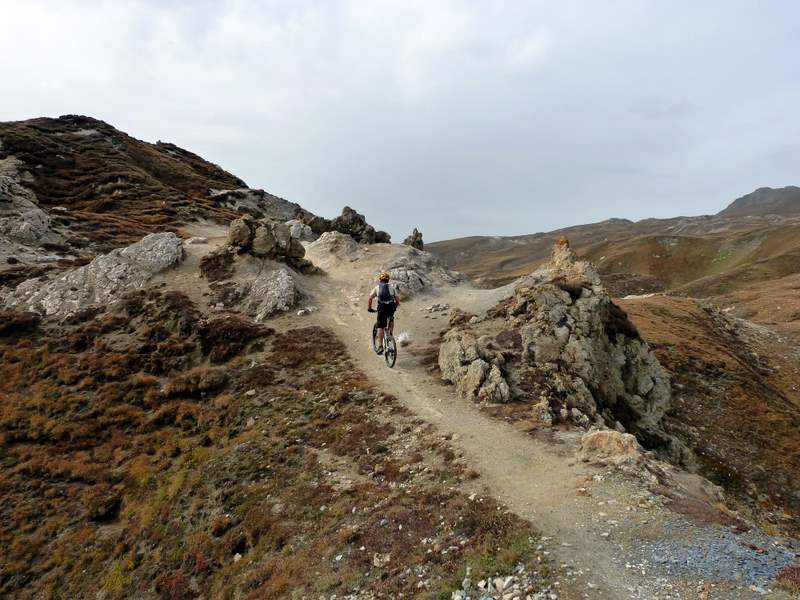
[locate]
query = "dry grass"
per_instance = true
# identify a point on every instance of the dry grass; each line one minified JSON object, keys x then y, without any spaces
{"x":117,"y":188}
{"x":131,"y":471}
{"x":789,"y":579}
{"x":729,"y":404}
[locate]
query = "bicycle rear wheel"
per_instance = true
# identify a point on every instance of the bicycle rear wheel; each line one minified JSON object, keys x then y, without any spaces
{"x":390,"y":352}
{"x":375,"y":345}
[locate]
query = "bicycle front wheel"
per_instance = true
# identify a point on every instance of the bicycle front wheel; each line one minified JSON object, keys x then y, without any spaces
{"x":390,"y":352}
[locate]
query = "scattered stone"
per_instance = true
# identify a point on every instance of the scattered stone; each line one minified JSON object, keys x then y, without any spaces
{"x":610,"y":447}
{"x":381,"y":560}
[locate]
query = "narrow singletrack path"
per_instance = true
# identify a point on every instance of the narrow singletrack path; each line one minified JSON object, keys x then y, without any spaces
{"x":535,"y":479}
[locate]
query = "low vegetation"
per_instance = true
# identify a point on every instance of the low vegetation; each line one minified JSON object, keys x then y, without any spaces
{"x":148,"y":453}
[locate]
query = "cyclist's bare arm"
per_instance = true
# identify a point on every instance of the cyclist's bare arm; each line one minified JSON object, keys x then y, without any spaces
{"x":371,"y":298}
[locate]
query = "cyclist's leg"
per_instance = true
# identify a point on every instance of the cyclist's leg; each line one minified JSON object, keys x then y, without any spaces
{"x":391,"y":318}
{"x":381,"y":323}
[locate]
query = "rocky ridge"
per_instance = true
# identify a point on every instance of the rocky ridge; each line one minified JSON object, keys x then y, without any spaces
{"x":350,"y":223}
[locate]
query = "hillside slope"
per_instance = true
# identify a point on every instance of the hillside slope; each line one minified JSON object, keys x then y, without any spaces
{"x":103,"y":185}
{"x":201,"y":414}
{"x":747,"y":242}
{"x":765,"y":201}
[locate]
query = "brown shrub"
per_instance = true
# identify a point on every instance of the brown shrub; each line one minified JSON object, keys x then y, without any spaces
{"x":102,"y":503}
{"x":197,"y":382}
{"x":789,"y":578}
{"x":222,"y":339}
{"x":15,"y":323}
{"x":217,"y":265}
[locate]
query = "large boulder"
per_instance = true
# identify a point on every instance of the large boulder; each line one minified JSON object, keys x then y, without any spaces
{"x":271,"y":292}
{"x":414,"y":271}
{"x":474,"y":366}
{"x":268,"y":238}
{"x":103,"y":280}
{"x":355,"y":225}
{"x":610,"y":446}
{"x":240,"y":233}
{"x":560,"y":342}
{"x":300,"y":231}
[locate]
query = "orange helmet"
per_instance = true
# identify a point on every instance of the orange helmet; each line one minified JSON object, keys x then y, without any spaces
{"x":384,"y":276}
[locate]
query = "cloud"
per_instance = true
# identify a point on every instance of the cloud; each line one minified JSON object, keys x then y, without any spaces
{"x":531,"y":50}
{"x":460,"y":118}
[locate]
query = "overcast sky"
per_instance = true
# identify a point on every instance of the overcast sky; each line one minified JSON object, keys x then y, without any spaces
{"x":458,"y":117}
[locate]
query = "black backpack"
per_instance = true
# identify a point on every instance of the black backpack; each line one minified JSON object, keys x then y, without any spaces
{"x":385,"y":294}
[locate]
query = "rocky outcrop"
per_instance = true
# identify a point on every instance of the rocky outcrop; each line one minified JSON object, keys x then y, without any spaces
{"x":271,"y":292}
{"x":256,"y":203}
{"x":415,"y":240}
{"x":301,"y":231}
{"x":414,"y":271}
{"x":474,"y":367}
{"x":26,"y":233}
{"x":268,"y":238}
{"x":21,"y":219}
{"x":103,"y":280}
{"x":349,"y":222}
{"x":561,"y":344}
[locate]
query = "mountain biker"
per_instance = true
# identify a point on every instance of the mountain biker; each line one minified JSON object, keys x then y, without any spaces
{"x":386,"y":294}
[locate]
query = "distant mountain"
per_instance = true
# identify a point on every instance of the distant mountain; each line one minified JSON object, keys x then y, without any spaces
{"x":757,"y":238}
{"x":766,"y":201}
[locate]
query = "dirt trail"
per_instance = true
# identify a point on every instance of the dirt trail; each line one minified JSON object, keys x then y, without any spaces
{"x":537,"y":480}
{"x":596,"y":533}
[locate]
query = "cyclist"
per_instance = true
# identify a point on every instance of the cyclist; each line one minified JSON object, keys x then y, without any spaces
{"x":386,"y":294}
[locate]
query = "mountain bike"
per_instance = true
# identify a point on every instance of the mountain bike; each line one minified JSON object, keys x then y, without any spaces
{"x":389,"y":345}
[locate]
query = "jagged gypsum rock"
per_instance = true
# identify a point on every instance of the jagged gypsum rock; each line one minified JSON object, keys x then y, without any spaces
{"x":101,"y":281}
{"x":560,"y":340}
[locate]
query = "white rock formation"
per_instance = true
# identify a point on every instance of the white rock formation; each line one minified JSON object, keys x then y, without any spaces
{"x":24,"y":226}
{"x":103,"y":280}
{"x":560,"y":342}
{"x":301,"y":231}
{"x":271,"y":292}
{"x":414,"y":271}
